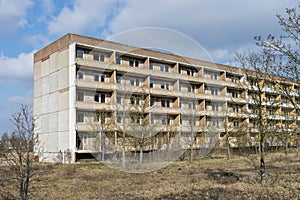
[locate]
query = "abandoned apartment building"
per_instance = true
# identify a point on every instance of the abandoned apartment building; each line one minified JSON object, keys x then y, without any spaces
{"x":82,"y":85}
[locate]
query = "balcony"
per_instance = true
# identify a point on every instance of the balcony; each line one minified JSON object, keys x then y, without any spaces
{"x":163,"y":92}
{"x":93,"y":106}
{"x":191,"y":128}
{"x":193,"y":112}
{"x":95,"y":85}
{"x":130,"y":69}
{"x":192,"y":79}
{"x":217,"y":82}
{"x":215,"y":97}
{"x":94,"y":64}
{"x":215,"y":113}
{"x":169,"y":75}
{"x":237,"y":114}
{"x":158,"y":109}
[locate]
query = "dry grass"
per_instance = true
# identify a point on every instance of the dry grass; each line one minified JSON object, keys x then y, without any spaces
{"x":211,"y":178}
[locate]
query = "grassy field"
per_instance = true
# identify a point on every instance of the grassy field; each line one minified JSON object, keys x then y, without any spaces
{"x":209,"y":178}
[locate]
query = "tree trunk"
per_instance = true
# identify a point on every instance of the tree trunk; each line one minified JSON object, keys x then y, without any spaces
{"x":228,"y":151}
{"x":102,"y":142}
{"x":103,"y":154}
{"x":141,"y":154}
{"x":286,"y":146}
{"x":262,"y":161}
{"x":191,"y":153}
{"x":262,"y":168}
{"x":123,"y":158}
{"x":169,"y":146}
{"x":297,"y":146}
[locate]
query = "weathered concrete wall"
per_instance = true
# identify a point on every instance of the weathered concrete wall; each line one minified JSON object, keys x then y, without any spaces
{"x":51,"y":103}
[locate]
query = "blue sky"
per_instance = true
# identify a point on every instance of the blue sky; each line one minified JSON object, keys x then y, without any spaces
{"x":222,"y":27}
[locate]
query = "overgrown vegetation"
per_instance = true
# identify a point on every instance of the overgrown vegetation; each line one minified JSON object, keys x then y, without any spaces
{"x":17,"y":156}
{"x":212,"y":178}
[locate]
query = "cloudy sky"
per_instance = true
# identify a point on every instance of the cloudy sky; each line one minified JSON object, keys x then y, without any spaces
{"x":221,"y":27}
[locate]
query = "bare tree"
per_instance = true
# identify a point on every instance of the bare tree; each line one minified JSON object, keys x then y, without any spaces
{"x":122,"y":115}
{"x":125,"y":117}
{"x":101,"y":126}
{"x":191,"y":116}
{"x":284,"y":51}
{"x":20,"y":156}
{"x":141,"y":128}
{"x":256,"y":68}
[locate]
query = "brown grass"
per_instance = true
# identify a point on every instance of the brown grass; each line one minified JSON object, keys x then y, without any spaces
{"x":211,"y":178}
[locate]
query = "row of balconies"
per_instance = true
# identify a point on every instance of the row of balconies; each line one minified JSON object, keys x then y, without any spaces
{"x":159,"y":116}
{"x":107,"y":74}
{"x":172,"y":101}
{"x":106,"y":99}
{"x":110,"y":57}
{"x":104,"y":78}
{"x":173,"y":70}
{"x":165,"y":89}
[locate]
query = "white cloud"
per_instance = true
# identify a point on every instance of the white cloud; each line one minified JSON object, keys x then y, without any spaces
{"x":85,"y":16}
{"x":13,"y":14}
{"x":47,"y":8}
{"x":16,"y":68}
{"x":25,"y":100}
{"x":227,"y":56}
{"x":166,"y":40}
{"x":37,"y":41}
{"x":214,"y":24}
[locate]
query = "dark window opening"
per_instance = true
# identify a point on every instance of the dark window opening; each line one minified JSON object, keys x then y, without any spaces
{"x":80,"y":96}
{"x":102,"y":57}
{"x":96,"y":77}
{"x":80,"y":117}
{"x":118,"y":60}
{"x":79,"y":53}
{"x":80,"y":75}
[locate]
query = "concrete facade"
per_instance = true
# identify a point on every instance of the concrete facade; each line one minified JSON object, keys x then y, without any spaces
{"x":77,"y":75}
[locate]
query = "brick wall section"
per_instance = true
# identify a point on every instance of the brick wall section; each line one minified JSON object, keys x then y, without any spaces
{"x":58,"y":45}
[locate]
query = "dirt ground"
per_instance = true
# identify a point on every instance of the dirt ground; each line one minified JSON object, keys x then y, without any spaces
{"x":210,"y":178}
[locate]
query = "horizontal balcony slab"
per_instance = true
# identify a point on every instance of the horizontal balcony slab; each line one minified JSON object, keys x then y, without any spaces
{"x":95,"y":64}
{"x":95,"y":85}
{"x":162,"y":92}
{"x":191,"y":79}
{"x":94,"y":106}
{"x":164,"y":75}
{"x":214,"y":82}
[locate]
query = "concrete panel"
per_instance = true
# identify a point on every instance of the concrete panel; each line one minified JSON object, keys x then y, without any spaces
{"x":45,"y":68}
{"x":53,"y":62}
{"x":53,"y":102}
{"x":37,"y":102}
{"x":38,"y":124}
{"x":63,"y":59}
{"x":50,"y":142}
{"x":37,"y":88}
{"x":63,"y":140}
{"x":44,"y":124}
{"x":63,"y":100}
{"x":63,"y":78}
{"x":63,"y":118}
{"x":44,"y":104}
{"x":53,"y":122}
{"x":45,"y":85}
{"x":53,"y":82}
{"x":37,"y":70}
